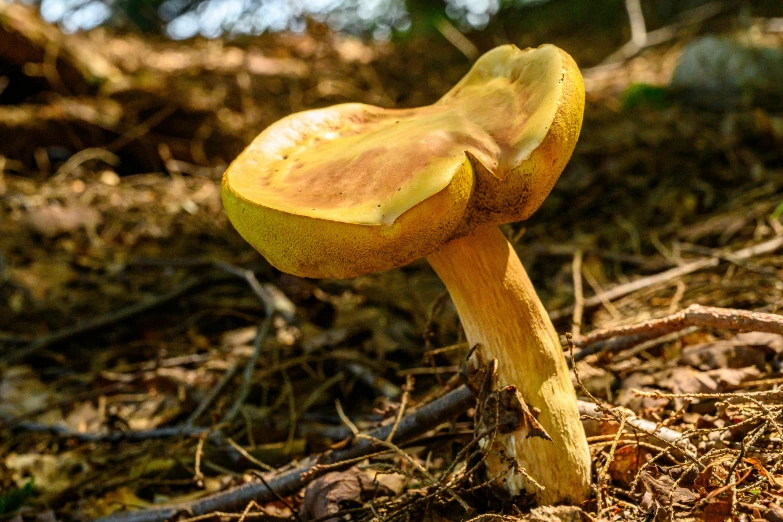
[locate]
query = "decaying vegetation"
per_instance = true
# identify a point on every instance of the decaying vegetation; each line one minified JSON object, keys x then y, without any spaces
{"x":150,"y":358}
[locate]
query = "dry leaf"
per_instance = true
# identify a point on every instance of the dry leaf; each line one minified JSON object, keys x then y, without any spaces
{"x":395,"y":482}
{"x":728,"y":378}
{"x":664,"y":491}
{"x":339,"y":490}
{"x":756,"y":463}
{"x":21,"y":392}
{"x":704,"y":481}
{"x":54,"y":219}
{"x":626,"y":464}
{"x":745,"y":349}
{"x":717,"y":512}
{"x":687,"y":380}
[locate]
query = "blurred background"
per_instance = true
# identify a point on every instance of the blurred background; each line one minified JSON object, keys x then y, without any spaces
{"x":118,"y":118}
{"x":379,"y":19}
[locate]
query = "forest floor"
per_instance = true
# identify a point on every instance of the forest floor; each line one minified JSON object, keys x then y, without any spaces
{"x":141,"y":366}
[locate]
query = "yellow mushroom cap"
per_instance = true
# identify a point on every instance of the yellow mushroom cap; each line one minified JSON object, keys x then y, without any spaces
{"x":353,"y":188}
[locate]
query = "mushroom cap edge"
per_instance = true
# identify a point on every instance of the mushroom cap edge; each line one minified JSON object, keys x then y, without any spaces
{"x":313,"y":247}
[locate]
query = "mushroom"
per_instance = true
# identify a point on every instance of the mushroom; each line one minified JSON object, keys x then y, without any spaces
{"x":351,"y":189}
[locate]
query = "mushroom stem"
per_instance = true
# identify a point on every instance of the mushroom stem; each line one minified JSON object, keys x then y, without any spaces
{"x":501,"y":312}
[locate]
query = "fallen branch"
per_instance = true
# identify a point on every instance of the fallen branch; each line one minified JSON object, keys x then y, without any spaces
{"x":289,"y":482}
{"x":622,"y":337}
{"x":688,"y":268}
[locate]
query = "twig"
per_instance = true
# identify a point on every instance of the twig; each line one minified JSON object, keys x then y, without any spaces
{"x":622,"y":337}
{"x":429,"y":371}
{"x":612,"y":450}
{"x":712,"y":252}
{"x":263,"y":332}
{"x":598,"y":291}
{"x":273,"y":300}
{"x":247,"y":378}
{"x":271,"y":489}
{"x":401,"y":410}
{"x":290,"y":481}
{"x":318,"y":393}
{"x":58,"y":336}
{"x":762,"y":395}
{"x":377,"y":382}
{"x":81,"y":157}
{"x":198,"y":476}
{"x":343,"y":417}
{"x":636,"y":18}
{"x":693,"y":16}
{"x":610,"y":413}
{"x":242,"y":451}
{"x":694,"y":266}
{"x":387,"y":443}
{"x":141,"y":129}
{"x":579,"y":297}
{"x":651,"y":428}
{"x":457,"y":39}
{"x":213,"y":394}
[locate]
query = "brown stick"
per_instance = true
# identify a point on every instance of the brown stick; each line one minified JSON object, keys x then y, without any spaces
{"x":288,"y":482}
{"x":576,"y":268}
{"x":622,"y":337}
{"x":694,"y":266}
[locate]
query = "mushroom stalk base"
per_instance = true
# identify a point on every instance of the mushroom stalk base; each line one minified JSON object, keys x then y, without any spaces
{"x":501,"y":312}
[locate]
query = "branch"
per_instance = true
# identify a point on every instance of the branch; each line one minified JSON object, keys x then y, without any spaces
{"x":688,"y":268}
{"x":622,"y":337}
{"x":638,"y":26}
{"x":576,"y":268}
{"x":289,"y":482}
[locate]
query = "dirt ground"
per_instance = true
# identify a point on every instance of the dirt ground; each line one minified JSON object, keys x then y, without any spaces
{"x":139,"y":368}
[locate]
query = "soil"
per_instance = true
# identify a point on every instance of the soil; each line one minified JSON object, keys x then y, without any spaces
{"x":125,"y":301}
